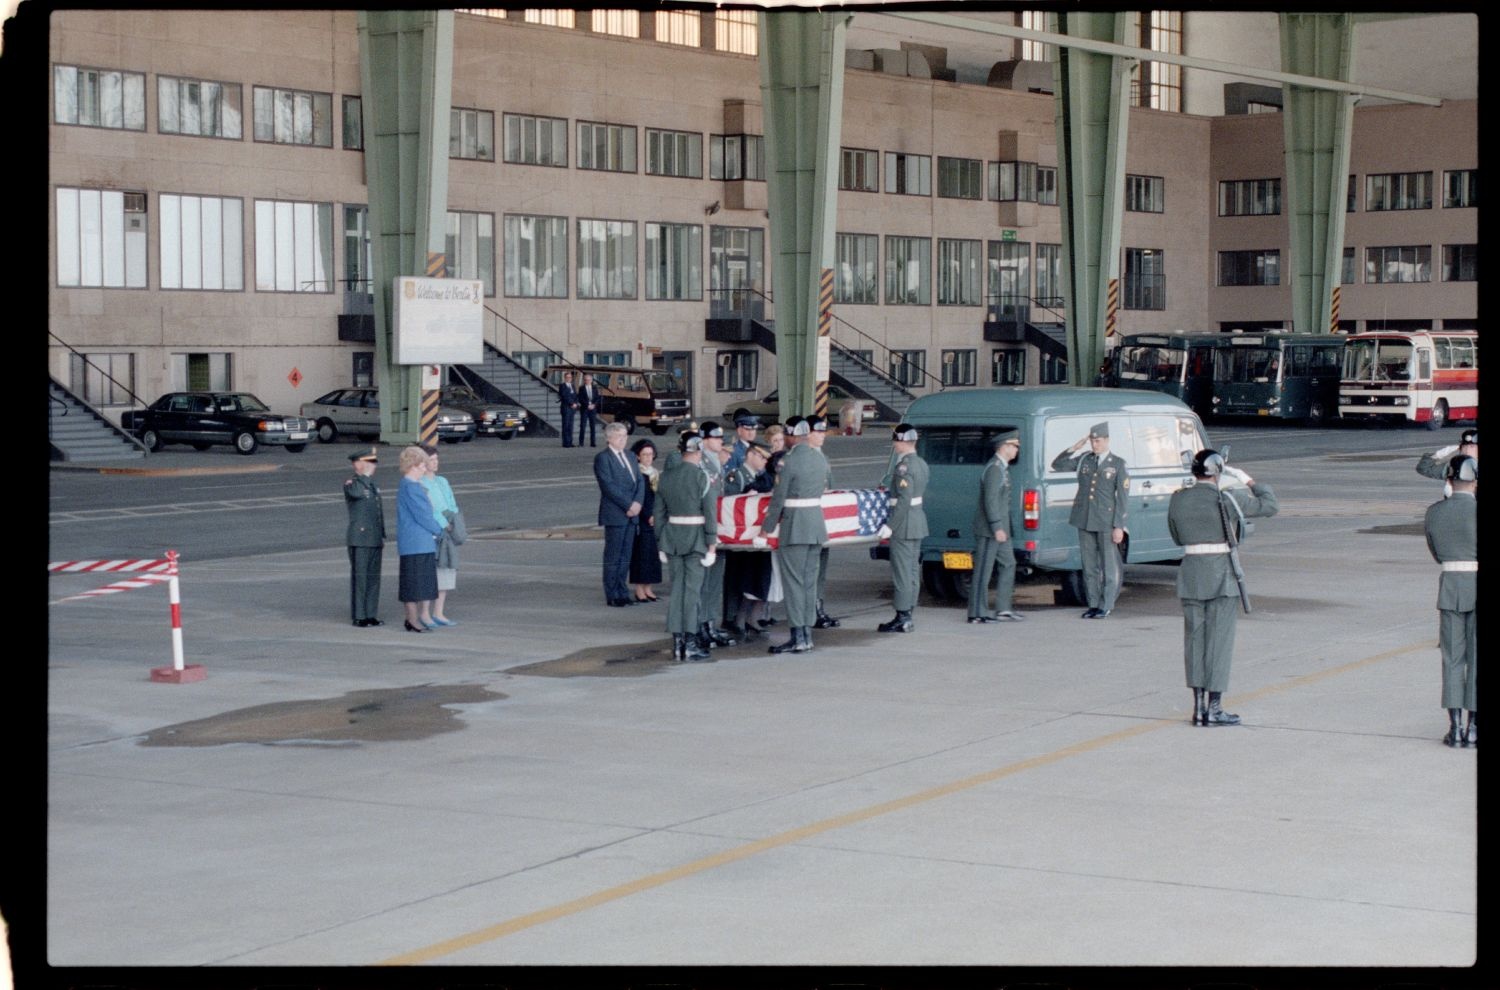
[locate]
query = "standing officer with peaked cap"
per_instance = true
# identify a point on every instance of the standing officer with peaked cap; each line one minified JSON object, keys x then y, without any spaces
{"x":1200,"y":518}
{"x":745,"y":427}
{"x":1452,"y":528}
{"x":905,"y":525}
{"x":687,"y":532}
{"x":795,"y":517}
{"x":1099,"y":515}
{"x":993,"y":547}
{"x":365,"y":537}
{"x":711,"y":600}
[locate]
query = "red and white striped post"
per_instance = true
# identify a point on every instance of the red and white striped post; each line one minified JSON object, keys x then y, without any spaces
{"x":178,"y":673}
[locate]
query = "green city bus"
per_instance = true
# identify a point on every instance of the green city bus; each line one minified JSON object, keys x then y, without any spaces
{"x":1177,"y":364}
{"x":1278,"y":373}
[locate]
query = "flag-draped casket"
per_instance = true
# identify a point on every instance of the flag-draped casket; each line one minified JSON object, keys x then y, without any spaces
{"x":853,"y":517}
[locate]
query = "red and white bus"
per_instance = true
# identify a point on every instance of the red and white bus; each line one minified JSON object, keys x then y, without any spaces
{"x":1426,"y":377}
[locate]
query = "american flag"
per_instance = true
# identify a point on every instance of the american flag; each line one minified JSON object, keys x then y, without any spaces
{"x":852,"y":516}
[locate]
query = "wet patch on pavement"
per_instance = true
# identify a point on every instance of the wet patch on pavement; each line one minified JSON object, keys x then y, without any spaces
{"x":1401,"y":529}
{"x":1366,"y":458}
{"x":555,"y":533}
{"x":614,"y":660}
{"x":377,"y":715}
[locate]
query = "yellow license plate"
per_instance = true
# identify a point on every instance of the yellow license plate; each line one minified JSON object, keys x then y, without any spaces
{"x":958,"y":561}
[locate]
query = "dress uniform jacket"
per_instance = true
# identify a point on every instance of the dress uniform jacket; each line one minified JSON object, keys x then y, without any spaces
{"x":711,"y":604}
{"x":365,"y":536}
{"x":684,"y":492}
{"x":908,"y":524}
{"x":804,"y":473}
{"x":1103,"y":490}
{"x":1452,"y":528}
{"x":992,"y":513}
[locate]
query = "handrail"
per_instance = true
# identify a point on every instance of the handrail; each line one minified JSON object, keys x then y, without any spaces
{"x":561,"y":360}
{"x":57,"y":401}
{"x":992,"y":306}
{"x":91,"y":364}
{"x":940,"y":384}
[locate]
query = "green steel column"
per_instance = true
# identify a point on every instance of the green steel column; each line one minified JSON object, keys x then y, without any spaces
{"x":406,"y":80}
{"x":1317,"y":125}
{"x":1092,"y":116}
{"x":802,"y":91}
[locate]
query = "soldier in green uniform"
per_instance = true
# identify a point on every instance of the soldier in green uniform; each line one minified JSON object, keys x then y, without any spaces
{"x":686,"y":537}
{"x":1452,"y":528}
{"x":993,"y":546}
{"x":905,"y":525}
{"x":711,"y":602}
{"x":1199,"y":518}
{"x":1435,"y":463}
{"x":365,"y":538}
{"x":1099,"y":516}
{"x":795,"y":517}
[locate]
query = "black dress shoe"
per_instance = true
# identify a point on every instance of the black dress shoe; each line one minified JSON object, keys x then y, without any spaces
{"x":374,"y":622}
{"x":1091,"y":613}
{"x":619,"y":602}
{"x":1007,"y":617}
{"x":357,"y":622}
{"x":975,"y":620}
{"x":1099,"y":613}
{"x":412,"y":628}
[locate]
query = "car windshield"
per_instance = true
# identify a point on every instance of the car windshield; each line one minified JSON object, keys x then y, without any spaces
{"x":245,"y":402}
{"x":664,"y":383}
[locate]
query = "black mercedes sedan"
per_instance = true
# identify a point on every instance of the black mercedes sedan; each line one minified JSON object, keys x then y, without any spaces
{"x":207,"y":418}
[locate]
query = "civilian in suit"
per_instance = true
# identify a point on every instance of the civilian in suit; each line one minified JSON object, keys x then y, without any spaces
{"x":365,"y":538}
{"x":622,"y":492}
{"x":1452,"y":528}
{"x":567,"y":401}
{"x":588,"y":409}
{"x":994,"y":550}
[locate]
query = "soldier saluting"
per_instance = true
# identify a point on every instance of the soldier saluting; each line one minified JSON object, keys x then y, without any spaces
{"x":365,"y":538}
{"x":905,"y":525}
{"x":1099,"y":515}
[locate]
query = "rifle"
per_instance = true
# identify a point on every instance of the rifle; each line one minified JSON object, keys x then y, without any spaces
{"x":1233,"y":541}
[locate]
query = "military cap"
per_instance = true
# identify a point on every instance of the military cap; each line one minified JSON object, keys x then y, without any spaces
{"x":1462,"y":468}
{"x":1470,"y":435}
{"x":365,"y":455}
{"x":818,"y":424}
{"x":757,"y":447}
{"x":791,"y":422}
{"x":746,"y":419}
{"x":688,"y":441}
{"x":709,"y":430}
{"x":1007,"y":436}
{"x":798,"y":426}
{"x":1208,"y":464}
{"x":904,"y":432}
{"x":1099,"y":430}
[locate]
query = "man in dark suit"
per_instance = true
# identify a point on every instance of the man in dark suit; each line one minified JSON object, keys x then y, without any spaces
{"x":588,"y":409}
{"x":567,"y":401}
{"x":365,"y":537}
{"x":622,"y":489}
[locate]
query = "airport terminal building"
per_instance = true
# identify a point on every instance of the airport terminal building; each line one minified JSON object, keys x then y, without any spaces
{"x":207,"y":198}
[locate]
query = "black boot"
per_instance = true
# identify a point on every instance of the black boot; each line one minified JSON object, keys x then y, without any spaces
{"x":679,"y":646}
{"x":804,"y":639}
{"x":1455,"y":736}
{"x":901,"y":623}
{"x":1472,"y":735}
{"x":720,"y":637}
{"x":1200,"y":707}
{"x":791,"y":645}
{"x":692,"y":652}
{"x":1217,"y":715}
{"x":705,"y":640}
{"x":825,"y":621}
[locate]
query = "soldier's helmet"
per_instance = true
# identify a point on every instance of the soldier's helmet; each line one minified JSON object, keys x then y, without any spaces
{"x":1470,"y":435}
{"x":1462,"y":468}
{"x":1208,"y":464}
{"x":689,"y":441}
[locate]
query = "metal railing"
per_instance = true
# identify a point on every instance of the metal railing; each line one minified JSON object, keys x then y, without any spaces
{"x":744,"y":303}
{"x":501,"y":343}
{"x":1016,"y":308}
{"x":55,"y":401}
{"x":892,"y":359}
{"x":136,"y":399}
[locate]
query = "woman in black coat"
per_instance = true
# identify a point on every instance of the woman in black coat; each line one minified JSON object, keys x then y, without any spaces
{"x":645,"y":565}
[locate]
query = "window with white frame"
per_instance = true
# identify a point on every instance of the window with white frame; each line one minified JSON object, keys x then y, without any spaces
{"x":958,"y":366}
{"x":1250,"y":197}
{"x":1407,"y":263}
{"x":859,"y":170}
{"x":359,"y":263}
{"x":1346,"y":276}
{"x":908,"y":367}
{"x":354,"y":125}
{"x":1350,"y":199}
{"x":1034,"y":51}
{"x":101,"y":238}
{"x":536,"y":256}
{"x":736,"y":156}
{"x":202,"y":243}
{"x":293,"y":246}
{"x":292,"y":116}
{"x":736,"y":371}
{"x":676,"y":153}
{"x":908,"y":175}
{"x":211,"y":371}
{"x":674,"y":261}
{"x":1460,"y":262}
{"x":606,"y":147}
{"x":99,"y":97}
{"x":103,"y":379}
{"x":1154,"y":84}
{"x":1250,"y":267}
{"x":536,"y":140}
{"x":1460,"y":188}
{"x":679,"y":27}
{"x":1009,"y":286}
{"x":1144,"y":279}
{"x":1398,"y":191}
{"x":1012,"y":182}
{"x":960,"y":178}
{"x":536,"y":362}
{"x":622,"y":23}
{"x":614,"y":359}
{"x":737,"y":31}
{"x":1049,"y":286}
{"x":198,"y":107}
{"x":1007,"y":367}
{"x":857,"y":269}
{"x":960,"y":263}
{"x":606,"y":259}
{"x":471,"y":134}
{"x":552,"y":17}
{"x":1054,"y":369}
{"x":470,"y":245}
{"x":908,"y":270}
{"x":1145,"y":193}
{"x":1046,"y":185}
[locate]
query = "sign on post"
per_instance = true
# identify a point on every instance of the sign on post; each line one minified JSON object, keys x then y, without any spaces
{"x":438,"y":320}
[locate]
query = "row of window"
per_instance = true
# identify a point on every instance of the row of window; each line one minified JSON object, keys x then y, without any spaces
{"x":1383,"y":192}
{"x":1401,"y":263}
{"x":735,"y":31}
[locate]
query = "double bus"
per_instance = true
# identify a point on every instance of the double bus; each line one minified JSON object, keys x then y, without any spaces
{"x":1421,"y":376}
{"x":1177,"y":364}
{"x":1278,"y":373}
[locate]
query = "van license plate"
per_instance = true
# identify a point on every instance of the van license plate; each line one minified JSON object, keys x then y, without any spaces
{"x":958,"y":561}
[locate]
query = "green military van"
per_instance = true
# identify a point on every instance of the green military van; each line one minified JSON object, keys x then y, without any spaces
{"x":1157,"y":436}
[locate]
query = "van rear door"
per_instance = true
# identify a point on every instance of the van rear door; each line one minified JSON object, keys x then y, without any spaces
{"x":1159,"y":458}
{"x":955,"y":456}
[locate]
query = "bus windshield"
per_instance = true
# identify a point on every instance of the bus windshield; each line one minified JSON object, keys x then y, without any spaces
{"x":1377,"y":360}
{"x":1151,"y":364}
{"x":1247,"y":364}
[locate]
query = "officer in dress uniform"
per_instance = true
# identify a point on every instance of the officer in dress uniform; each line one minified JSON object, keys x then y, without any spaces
{"x":1435,"y":464}
{"x":686,"y":536}
{"x":795,"y":517}
{"x":365,"y":537}
{"x":745,"y":427}
{"x":1099,"y":516}
{"x":905,"y":525}
{"x":1199,"y":518}
{"x":711,"y":602}
{"x":1452,"y":528}
{"x":993,"y":546}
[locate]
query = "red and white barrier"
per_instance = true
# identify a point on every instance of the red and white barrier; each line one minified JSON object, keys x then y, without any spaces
{"x":149,"y":572}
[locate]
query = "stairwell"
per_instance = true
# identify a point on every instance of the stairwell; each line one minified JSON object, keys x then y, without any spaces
{"x":849,"y":373}
{"x":77,"y":431}
{"x":515,"y":384}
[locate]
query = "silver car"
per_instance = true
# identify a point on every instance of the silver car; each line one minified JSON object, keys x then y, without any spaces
{"x":356,"y":411}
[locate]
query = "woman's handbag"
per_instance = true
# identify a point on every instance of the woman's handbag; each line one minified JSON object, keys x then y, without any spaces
{"x":457,"y":531}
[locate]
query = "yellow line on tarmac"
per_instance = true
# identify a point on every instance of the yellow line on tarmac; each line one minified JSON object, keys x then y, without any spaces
{"x":581,"y":904}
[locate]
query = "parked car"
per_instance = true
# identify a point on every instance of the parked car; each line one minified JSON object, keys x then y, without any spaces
{"x":206,"y":418}
{"x":357,"y":411}
{"x":768,"y":407}
{"x":491,"y":419}
{"x":633,"y":396}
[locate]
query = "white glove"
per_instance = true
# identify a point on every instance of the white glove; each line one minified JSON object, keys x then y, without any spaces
{"x":663,"y":555}
{"x":884,"y":534}
{"x":709,"y":558}
{"x":1447,"y":451}
{"x":1237,"y":475}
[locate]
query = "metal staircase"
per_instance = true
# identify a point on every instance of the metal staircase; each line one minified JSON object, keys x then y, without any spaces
{"x":511,"y":382}
{"x":76,"y":431}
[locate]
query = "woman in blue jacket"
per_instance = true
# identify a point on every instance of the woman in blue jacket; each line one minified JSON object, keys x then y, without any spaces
{"x":416,"y":541}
